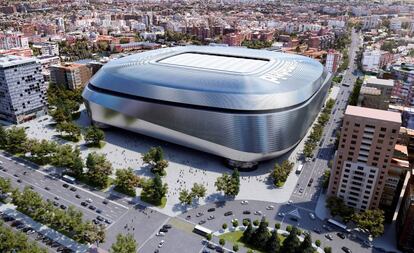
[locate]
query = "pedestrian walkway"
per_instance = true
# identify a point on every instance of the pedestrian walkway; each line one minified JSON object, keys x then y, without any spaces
{"x":10,"y":210}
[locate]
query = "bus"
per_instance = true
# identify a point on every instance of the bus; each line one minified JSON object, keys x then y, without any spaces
{"x":203,"y":231}
{"x":337,"y":224}
{"x":68,"y":179}
{"x":299,"y":169}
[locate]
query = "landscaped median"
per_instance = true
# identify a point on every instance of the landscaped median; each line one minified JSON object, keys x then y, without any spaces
{"x":261,"y":238}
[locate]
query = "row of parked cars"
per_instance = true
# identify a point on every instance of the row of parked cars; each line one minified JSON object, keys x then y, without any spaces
{"x":32,"y":233}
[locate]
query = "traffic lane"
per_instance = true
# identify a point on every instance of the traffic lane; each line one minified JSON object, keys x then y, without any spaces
{"x":139,"y":221}
{"x":40,"y":182}
{"x":175,"y":240}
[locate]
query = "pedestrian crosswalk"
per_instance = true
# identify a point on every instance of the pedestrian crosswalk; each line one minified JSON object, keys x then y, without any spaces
{"x":295,"y":212}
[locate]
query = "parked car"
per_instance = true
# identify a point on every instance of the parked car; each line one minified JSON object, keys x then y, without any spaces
{"x":211,"y":210}
{"x":77,"y":196}
{"x":246,"y":212}
{"x":65,"y":185}
{"x":244,"y":202}
{"x":258,"y":213}
{"x":329,"y":237}
{"x":228,"y":213}
{"x":84,"y":203}
{"x":270,"y":207}
{"x":346,"y":250}
{"x":92,"y":207}
{"x":201,"y":222}
{"x":167,"y":226}
{"x":211,"y":217}
{"x":341,"y":235}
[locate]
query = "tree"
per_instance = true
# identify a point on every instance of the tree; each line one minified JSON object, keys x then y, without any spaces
{"x":338,"y":207}
{"x":222,"y":241}
{"x":155,"y":159}
{"x":247,"y":234}
{"x":99,"y":169}
{"x":153,"y":190}
{"x":306,"y":245}
{"x":124,"y":244}
{"x":3,"y":137}
{"x":327,"y":250}
{"x":261,"y":235}
{"x":94,"y":136}
{"x":370,"y":220}
{"x":229,"y":184}
{"x":5,"y":185}
{"x":318,"y":243}
{"x":198,"y":190}
{"x":281,"y":172}
{"x":325,"y":179}
{"x":126,"y":181}
{"x":72,"y":130}
{"x":291,"y":243}
{"x":185,"y":197}
{"x":224,"y":226}
{"x":15,"y":241}
{"x":68,"y":157}
{"x":41,"y":151}
{"x":235,"y":247}
{"x":16,"y":139}
{"x":273,"y":244}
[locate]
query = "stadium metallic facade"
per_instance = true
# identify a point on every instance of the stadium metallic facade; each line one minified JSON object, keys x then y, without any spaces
{"x":242,"y":104}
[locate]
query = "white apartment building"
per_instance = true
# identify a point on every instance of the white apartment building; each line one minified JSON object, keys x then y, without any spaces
{"x":395,"y":24}
{"x":22,"y":89}
{"x":13,"y":40}
{"x":371,"y":60}
{"x":371,"y":22}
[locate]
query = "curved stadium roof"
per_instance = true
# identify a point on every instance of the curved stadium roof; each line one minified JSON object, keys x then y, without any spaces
{"x":219,"y":77}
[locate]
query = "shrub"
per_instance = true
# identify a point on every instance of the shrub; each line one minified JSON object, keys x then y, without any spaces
{"x":289,"y":228}
{"x":318,"y":243}
{"x":327,"y":250}
{"x":235,"y":223}
{"x":236,"y":247}
{"x":245,"y":223}
{"x":256,"y":223}
{"x":277,"y":226}
{"x":222,"y":242}
{"x":209,"y":237}
{"x":224,"y":226}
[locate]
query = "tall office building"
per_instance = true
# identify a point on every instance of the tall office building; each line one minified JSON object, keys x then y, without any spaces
{"x":363,"y":159}
{"x":70,"y":75}
{"x":22,"y":89}
{"x":332,"y":60}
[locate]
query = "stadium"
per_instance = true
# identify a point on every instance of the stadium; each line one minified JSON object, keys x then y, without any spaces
{"x":242,"y":104}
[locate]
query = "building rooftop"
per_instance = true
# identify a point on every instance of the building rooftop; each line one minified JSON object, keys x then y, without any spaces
{"x":377,"y":81}
{"x":373,"y":114}
{"x":12,"y":60}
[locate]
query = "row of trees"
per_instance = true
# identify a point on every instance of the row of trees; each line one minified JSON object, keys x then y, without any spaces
{"x":64,"y":103}
{"x":266,"y":241}
{"x":68,"y":222}
{"x":317,"y":130}
{"x":12,"y":241}
{"x":353,"y":98}
{"x":280,"y":173}
{"x":187,"y":197}
{"x":154,"y":190}
{"x":371,"y":221}
{"x":229,"y":184}
{"x":345,"y":61}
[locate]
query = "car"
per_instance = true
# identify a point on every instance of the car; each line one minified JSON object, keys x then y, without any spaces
{"x":156,"y":251}
{"x":201,"y":222}
{"x":164,"y":230}
{"x":109,"y":222}
{"x":55,"y":203}
{"x":301,"y":190}
{"x":15,"y":175}
{"x":205,"y":251}
{"x":188,"y":217}
{"x":211,"y":217}
{"x":228,"y":213}
{"x":65,"y":185}
{"x":84,"y":204}
{"x":72,"y":189}
{"x":270,"y":207}
{"x":31,"y":187}
{"x":16,"y":223}
{"x":105,"y":201}
{"x":160,"y":234}
{"x":199,"y":214}
{"x":47,"y":188}
{"x":294,"y":219}
{"x":21,"y":226}
{"x":317,"y":230}
{"x":219,"y":249}
{"x":8,"y":218}
{"x":211,"y":210}
{"x":63,"y":207}
{"x":96,"y":222}
{"x":92,"y":207}
{"x":89,"y":200}
{"x":329,"y":237}
{"x":312,"y":216}
{"x":368,"y":244}
{"x":211,"y":246}
{"x":26,"y":229}
{"x":258,"y":213}
{"x":290,"y":202}
{"x":281,"y":214}
{"x":161,"y":244}
{"x":246,"y":212}
{"x":98,"y":210}
{"x":341,"y":235}
{"x":19,"y":181}
{"x":56,"y":198}
{"x":77,"y":196}
{"x":346,"y":250}
{"x":310,"y":182}
{"x":244,"y":202}
{"x":100,"y":218}
{"x":167,"y":226}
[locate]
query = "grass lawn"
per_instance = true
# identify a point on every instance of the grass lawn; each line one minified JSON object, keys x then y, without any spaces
{"x":235,"y":237}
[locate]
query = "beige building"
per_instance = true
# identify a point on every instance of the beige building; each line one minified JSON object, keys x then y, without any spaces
{"x":363,"y":159}
{"x":70,"y":75}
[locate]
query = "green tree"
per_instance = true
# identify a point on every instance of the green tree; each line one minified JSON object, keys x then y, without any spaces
{"x":15,"y":241}
{"x":371,"y":221}
{"x":3,"y":137}
{"x":99,"y":169}
{"x":5,"y":185}
{"x":155,"y":159}
{"x":124,"y":244}
{"x":261,"y":235}
{"x":222,"y":241}
{"x":281,"y":172}
{"x":235,"y":247}
{"x":68,"y":157}
{"x":198,"y":190}
{"x":16,"y":139}
{"x":248,"y":233}
{"x":273,"y":244}
{"x":71,"y":130}
{"x":229,"y":184}
{"x":338,"y":207}
{"x":291,"y":243}
{"x":318,"y":243}
{"x":185,"y":197}
{"x":42,"y":151}
{"x":126,"y":181}
{"x":94,"y":136}
{"x":327,"y":250}
{"x":306,"y":245}
{"x":153,"y":190}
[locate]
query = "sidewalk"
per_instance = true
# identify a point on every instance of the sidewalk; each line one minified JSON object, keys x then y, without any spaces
{"x":44,"y":230}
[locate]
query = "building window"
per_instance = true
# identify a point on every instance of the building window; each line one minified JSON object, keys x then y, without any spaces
{"x":383,"y":129}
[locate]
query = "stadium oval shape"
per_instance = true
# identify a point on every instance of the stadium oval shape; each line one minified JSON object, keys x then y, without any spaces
{"x":245,"y":105}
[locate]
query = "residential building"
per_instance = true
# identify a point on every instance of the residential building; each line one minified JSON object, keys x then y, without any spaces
{"x":47,"y":48}
{"x":22,"y":89}
{"x":233,"y":39}
{"x":70,"y":75}
{"x":363,"y":159}
{"x":46,"y":61}
{"x":13,"y":40}
{"x":333,"y":59}
{"x":405,"y":218}
{"x":395,"y":24}
{"x":376,"y":93}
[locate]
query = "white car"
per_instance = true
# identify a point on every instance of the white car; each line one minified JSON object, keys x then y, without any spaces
{"x":312,"y":216}
{"x":244,"y":202}
{"x":160,"y":234}
{"x":160,"y":244}
{"x":280,"y":214}
{"x":89,"y":200}
{"x":258,"y":213}
{"x":290,"y":202}
{"x":270,"y":207}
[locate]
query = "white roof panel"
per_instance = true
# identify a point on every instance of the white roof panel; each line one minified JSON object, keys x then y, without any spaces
{"x":216,"y":62}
